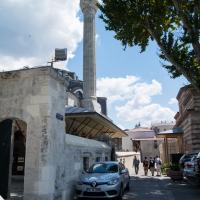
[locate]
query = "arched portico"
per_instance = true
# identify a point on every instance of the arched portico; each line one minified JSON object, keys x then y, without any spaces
{"x":13,"y":134}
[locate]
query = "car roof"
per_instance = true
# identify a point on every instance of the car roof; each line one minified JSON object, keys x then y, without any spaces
{"x":108,"y":162}
{"x":189,"y":154}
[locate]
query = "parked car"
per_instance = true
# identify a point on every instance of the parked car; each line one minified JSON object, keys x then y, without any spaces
{"x":185,"y":158}
{"x":103,"y":180}
{"x":192,"y":169}
{"x":188,"y":169}
{"x":197,"y":163}
{"x":197,"y":168}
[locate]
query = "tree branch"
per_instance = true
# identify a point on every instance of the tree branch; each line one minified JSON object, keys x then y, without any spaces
{"x":172,"y":60}
{"x":191,"y":30}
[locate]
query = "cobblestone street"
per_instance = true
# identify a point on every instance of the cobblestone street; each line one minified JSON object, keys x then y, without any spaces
{"x":160,"y":188}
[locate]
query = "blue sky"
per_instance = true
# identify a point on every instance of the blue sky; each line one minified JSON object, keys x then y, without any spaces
{"x":138,"y":89}
{"x":114,"y":62}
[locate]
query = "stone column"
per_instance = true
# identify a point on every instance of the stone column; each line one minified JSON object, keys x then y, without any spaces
{"x":89,"y":9}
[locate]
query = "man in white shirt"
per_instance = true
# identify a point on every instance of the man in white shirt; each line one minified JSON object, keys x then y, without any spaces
{"x":158,"y":165}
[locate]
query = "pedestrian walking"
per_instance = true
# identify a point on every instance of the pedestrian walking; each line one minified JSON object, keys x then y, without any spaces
{"x":152,"y":165}
{"x":136,"y":163}
{"x":145,"y":166}
{"x":158,"y":165}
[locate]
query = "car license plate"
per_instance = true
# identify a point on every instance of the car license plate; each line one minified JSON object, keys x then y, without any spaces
{"x":93,"y":189}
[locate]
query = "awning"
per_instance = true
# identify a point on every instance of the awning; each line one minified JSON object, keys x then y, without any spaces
{"x":147,"y":139}
{"x":172,"y":133}
{"x":81,"y":122}
{"x":138,"y":134}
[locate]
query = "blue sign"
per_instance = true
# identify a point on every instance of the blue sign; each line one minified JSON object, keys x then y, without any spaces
{"x":59,"y":116}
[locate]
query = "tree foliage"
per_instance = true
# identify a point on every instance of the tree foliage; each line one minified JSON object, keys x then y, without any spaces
{"x":173,"y":24}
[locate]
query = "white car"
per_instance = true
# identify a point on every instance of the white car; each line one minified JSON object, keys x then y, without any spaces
{"x":189,"y":167}
{"x":103,"y":180}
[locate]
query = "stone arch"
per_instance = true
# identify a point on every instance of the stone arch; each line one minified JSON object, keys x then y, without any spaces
{"x":78,"y":92}
{"x":16,"y":113}
{"x":13,"y":133}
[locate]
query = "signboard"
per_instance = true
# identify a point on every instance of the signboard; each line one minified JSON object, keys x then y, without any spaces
{"x":59,"y":116}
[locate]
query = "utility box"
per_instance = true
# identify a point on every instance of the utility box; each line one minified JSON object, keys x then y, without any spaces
{"x":60,"y":54}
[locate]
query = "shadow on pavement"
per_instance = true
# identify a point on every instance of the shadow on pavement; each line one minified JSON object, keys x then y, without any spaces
{"x":161,"y":188}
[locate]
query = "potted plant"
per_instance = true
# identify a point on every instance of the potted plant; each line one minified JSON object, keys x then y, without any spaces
{"x":165,"y":168}
{"x":175,"y":173}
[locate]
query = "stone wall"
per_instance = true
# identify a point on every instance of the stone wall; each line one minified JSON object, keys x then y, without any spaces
{"x":75,"y":149}
{"x":32,"y":95}
{"x":127,"y":159}
{"x":148,"y":149}
{"x":127,"y":144}
{"x":53,"y":159}
{"x":72,"y":100}
{"x":188,"y":118}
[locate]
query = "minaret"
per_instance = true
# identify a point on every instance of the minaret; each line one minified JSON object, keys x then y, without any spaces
{"x":89,"y":9}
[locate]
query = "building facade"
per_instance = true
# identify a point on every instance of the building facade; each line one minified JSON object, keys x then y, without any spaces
{"x":172,"y":147}
{"x":162,"y":126}
{"x":40,"y":159}
{"x":188,"y":118}
{"x":142,"y":140}
{"x":50,"y":123}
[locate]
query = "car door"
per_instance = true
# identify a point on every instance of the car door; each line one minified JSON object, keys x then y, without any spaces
{"x":197,"y":164}
{"x":124,"y":175}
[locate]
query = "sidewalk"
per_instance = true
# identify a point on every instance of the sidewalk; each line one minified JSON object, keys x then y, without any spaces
{"x":140,"y":173}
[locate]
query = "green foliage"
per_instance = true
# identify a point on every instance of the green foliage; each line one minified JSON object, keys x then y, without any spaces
{"x":175,"y":167}
{"x":165,"y":168}
{"x":174,"y":25}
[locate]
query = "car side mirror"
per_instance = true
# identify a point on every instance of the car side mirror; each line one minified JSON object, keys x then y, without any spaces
{"x":123,"y":171}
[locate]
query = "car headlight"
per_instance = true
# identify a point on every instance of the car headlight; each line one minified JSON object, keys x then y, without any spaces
{"x":113,"y":182}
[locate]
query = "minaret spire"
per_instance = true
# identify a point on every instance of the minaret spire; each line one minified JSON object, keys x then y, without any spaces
{"x":89,"y":9}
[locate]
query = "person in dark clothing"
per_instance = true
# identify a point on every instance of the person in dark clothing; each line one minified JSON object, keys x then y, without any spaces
{"x":152,"y":165}
{"x":145,"y":165}
{"x":136,"y":163}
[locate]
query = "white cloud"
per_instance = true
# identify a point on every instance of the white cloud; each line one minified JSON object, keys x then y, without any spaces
{"x":144,"y":114}
{"x":173,"y":101}
{"x":31,"y":29}
{"x":98,"y":40}
{"x":121,"y":126}
{"x":115,"y":88}
{"x":132,"y":99}
{"x":127,"y":88}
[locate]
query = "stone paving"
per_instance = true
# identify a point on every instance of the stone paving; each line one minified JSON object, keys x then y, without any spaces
{"x":160,"y":188}
{"x":156,"y":188}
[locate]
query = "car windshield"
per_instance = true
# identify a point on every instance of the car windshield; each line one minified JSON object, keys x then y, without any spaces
{"x":187,"y":157}
{"x":103,"y":168}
